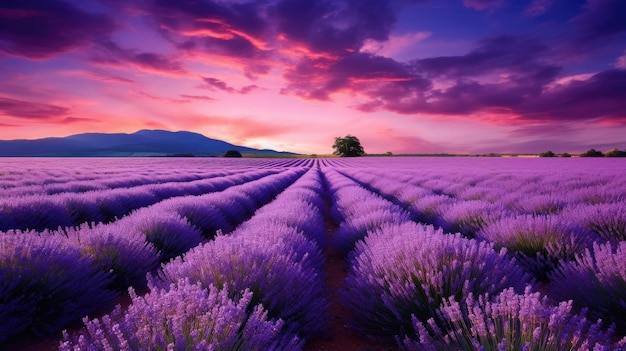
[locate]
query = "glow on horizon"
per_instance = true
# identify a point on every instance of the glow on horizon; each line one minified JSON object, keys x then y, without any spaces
{"x":472,"y":76}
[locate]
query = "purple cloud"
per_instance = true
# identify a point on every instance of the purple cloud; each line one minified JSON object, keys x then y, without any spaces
{"x":30,"y":110}
{"x":214,"y":83}
{"x":482,"y":4}
{"x":111,"y":54}
{"x":334,"y":26}
{"x":601,"y":20}
{"x":197,"y":97}
{"x":42,"y":29}
{"x":601,"y":97}
{"x":538,"y":7}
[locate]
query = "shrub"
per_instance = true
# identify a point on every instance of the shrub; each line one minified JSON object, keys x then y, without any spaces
{"x":232,"y":153}
{"x":405,"y":270}
{"x":183,"y":317}
{"x":510,"y":322}
{"x":547,"y":154}
{"x":592,"y":153}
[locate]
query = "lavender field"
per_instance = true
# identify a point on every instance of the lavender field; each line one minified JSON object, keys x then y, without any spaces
{"x":232,"y":254}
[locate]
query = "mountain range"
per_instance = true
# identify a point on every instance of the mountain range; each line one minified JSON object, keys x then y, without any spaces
{"x":140,"y":143}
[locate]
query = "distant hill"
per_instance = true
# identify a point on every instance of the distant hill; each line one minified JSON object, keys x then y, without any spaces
{"x":141,"y":143}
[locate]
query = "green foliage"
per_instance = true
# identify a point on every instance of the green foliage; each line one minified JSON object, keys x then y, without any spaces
{"x":565,"y":154}
{"x":348,"y":146}
{"x":547,"y":154}
{"x":232,"y":153}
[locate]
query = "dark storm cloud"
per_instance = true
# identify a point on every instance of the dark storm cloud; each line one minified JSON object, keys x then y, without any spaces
{"x":334,"y":26}
{"x":30,"y":110}
{"x":355,"y":72}
{"x":600,"y":20}
{"x":603,"y":97}
{"x":41,"y":29}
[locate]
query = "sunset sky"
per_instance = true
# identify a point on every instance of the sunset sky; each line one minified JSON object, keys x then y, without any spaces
{"x":406,"y":76}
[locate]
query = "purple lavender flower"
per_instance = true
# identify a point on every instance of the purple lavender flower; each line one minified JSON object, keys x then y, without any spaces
{"x":47,"y":285}
{"x":607,"y":220}
{"x":538,"y":242}
{"x":184,"y":317}
{"x":287,"y":288}
{"x":170,"y":234}
{"x":512,"y":322}
{"x":404,"y":270}
{"x":595,"y":280}
{"x":126,"y":254}
{"x":468,"y":217}
{"x":32,"y":212}
{"x":201,"y":212}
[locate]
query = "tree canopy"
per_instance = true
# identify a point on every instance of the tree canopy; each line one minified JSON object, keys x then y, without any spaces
{"x":232,"y":153}
{"x":348,"y":146}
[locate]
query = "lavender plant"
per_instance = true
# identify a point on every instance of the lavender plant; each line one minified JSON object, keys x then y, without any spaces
{"x":47,"y":285}
{"x":469,"y":217}
{"x":184,"y":317}
{"x":170,"y":234}
{"x":606,"y":220}
{"x":400,"y":271}
{"x":538,"y":242}
{"x":509,"y":321}
{"x":200,"y":212}
{"x":125,"y":254}
{"x":595,"y":280}
{"x":287,"y":288}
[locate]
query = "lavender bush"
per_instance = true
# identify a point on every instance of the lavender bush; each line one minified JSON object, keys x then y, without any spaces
{"x":509,"y":321}
{"x":170,"y":234}
{"x":47,"y":285}
{"x":469,"y":217}
{"x":405,"y":270}
{"x":538,"y":242}
{"x":287,"y":288}
{"x":606,"y":220}
{"x":595,"y":280}
{"x":184,"y":317}
{"x":126,"y":254}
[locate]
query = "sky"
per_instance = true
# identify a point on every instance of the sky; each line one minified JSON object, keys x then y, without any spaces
{"x":404,"y":76}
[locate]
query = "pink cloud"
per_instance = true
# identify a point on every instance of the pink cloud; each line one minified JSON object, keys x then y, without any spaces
{"x":30,"y":110}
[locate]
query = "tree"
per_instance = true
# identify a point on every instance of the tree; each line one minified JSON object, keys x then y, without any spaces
{"x":548,"y":153}
{"x":348,"y":146}
{"x":616,"y":153}
{"x":592,"y":153}
{"x":232,"y":153}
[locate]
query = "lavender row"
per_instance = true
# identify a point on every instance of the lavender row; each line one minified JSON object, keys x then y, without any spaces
{"x":260,"y":288}
{"x":402,"y":276}
{"x":544,"y":244}
{"x":540,"y":240}
{"x":48,"y":176}
{"x":434,"y":291}
{"x":68,"y":209}
{"x":110,"y":258}
{"x":51,"y":185}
